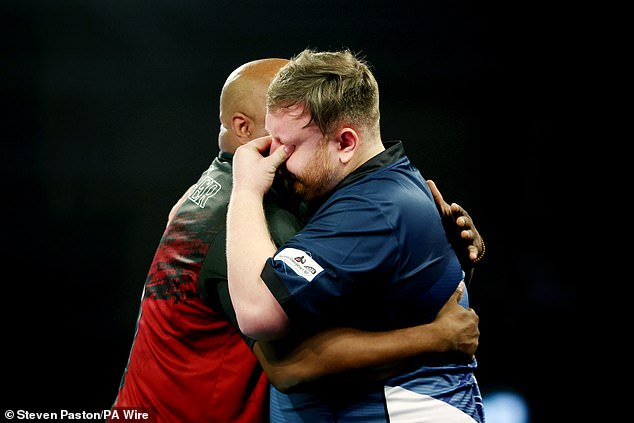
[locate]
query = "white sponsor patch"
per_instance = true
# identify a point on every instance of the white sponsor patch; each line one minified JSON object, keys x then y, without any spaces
{"x":300,"y":261}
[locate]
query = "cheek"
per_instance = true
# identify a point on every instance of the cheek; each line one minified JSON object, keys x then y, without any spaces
{"x":295,"y":163}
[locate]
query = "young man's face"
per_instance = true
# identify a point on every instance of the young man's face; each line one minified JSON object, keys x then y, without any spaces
{"x":311,"y":170}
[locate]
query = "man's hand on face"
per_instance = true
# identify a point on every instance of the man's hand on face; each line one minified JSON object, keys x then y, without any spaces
{"x":254,"y":166}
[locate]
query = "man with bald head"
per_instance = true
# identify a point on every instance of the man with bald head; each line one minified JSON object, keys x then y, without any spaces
{"x":188,"y":361}
{"x":243,"y":99}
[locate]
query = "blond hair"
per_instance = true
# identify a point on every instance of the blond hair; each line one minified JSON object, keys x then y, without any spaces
{"x":335,"y":87}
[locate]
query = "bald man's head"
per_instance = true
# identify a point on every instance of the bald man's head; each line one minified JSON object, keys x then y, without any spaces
{"x":243,"y":102}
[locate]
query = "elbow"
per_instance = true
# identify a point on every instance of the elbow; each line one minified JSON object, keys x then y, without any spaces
{"x":248,"y":323}
{"x":252,"y":328}
{"x":283,"y":382}
{"x":262,"y":325}
{"x":292,"y":380}
{"x":286,"y":375}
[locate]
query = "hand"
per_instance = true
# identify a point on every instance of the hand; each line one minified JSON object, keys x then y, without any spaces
{"x":253,"y":170}
{"x":462,"y":233}
{"x":458,"y":324}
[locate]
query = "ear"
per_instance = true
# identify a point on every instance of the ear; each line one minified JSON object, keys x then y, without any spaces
{"x":348,"y":141}
{"x":241,"y":125}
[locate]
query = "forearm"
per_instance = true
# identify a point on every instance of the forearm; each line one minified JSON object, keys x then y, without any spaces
{"x":248,"y":247}
{"x":339,"y":354}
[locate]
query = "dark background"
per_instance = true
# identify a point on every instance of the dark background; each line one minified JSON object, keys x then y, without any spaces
{"x":111,"y":113}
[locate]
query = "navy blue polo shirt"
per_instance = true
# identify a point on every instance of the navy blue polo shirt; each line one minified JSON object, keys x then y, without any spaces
{"x":374,"y":255}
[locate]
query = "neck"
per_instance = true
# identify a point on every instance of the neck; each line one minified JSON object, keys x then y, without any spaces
{"x":369,"y":150}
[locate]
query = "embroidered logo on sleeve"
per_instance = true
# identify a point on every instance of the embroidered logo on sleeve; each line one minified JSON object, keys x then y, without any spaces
{"x":300,"y":261}
{"x":207,"y":188}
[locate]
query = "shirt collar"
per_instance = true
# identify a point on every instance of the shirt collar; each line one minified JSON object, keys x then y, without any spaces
{"x":393,"y":152}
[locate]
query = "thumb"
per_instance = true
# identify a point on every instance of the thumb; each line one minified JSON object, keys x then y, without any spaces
{"x":435,"y":191}
{"x":457,"y":295}
{"x":443,"y":207}
{"x":280,"y":155}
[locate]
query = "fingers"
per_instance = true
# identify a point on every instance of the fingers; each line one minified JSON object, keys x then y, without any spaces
{"x":274,"y":158}
{"x":463,"y":220}
{"x":435,"y":191}
{"x":443,"y":207}
{"x":255,"y":164}
{"x":261,"y":144}
{"x":459,"y":212}
{"x":468,"y":232}
{"x":280,"y":155}
{"x":459,"y":291}
{"x":473,"y":252}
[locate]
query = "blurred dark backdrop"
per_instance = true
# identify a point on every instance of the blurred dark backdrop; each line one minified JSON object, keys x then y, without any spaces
{"x":111,"y":112}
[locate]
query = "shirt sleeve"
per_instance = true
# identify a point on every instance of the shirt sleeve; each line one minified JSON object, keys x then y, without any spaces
{"x":334,"y":263}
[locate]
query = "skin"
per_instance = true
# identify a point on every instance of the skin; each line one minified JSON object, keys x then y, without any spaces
{"x":318,"y":163}
{"x":352,"y":356}
{"x":465,"y":233}
{"x":463,"y":221}
{"x":321,"y":161}
{"x":340,"y":350}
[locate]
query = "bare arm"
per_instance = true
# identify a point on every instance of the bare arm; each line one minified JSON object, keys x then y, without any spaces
{"x":340,"y":354}
{"x":338,"y":351}
{"x":249,"y":244}
{"x":345,"y":355}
